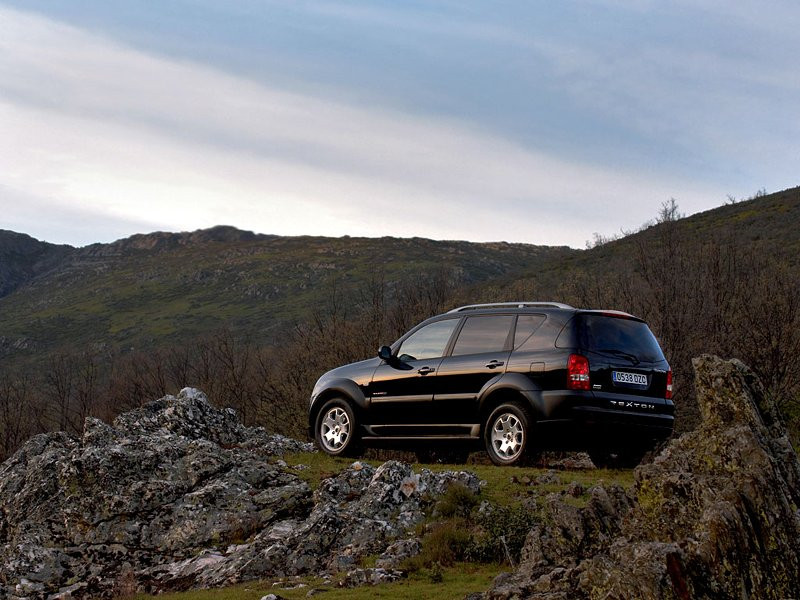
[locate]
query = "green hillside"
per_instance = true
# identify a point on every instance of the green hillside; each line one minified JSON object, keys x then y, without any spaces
{"x":141,"y":291}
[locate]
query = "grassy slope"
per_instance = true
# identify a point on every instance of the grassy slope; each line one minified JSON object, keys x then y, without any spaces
{"x":765,"y":225}
{"x":142,"y":297}
{"x":505,"y":486}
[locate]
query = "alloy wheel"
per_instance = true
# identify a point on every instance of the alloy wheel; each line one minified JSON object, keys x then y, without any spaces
{"x":335,"y":429}
{"x":507,"y":436}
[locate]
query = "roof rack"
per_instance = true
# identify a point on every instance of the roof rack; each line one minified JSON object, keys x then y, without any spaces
{"x":511,"y":305}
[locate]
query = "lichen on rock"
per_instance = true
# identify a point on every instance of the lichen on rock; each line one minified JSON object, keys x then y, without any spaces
{"x":715,"y":515}
{"x":180,"y":494}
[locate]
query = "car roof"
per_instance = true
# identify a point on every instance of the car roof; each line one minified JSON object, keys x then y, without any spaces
{"x":526,"y":306}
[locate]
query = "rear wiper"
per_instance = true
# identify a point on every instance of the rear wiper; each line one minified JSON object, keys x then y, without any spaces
{"x":632,"y":357}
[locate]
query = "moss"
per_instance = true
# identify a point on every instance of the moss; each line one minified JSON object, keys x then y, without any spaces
{"x":651,"y":501}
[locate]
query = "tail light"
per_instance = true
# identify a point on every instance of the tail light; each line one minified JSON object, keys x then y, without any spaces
{"x":578,"y":372}
{"x":668,"y":395}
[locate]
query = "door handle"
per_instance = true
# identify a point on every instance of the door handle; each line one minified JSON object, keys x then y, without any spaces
{"x":425,"y":370}
{"x":493,"y":364}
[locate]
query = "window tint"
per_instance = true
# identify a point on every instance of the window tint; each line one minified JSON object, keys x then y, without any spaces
{"x":526,"y":327}
{"x":428,"y":342}
{"x":483,"y":334}
{"x":611,"y":335}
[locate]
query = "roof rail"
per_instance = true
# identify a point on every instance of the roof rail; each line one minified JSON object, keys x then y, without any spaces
{"x":511,"y":305}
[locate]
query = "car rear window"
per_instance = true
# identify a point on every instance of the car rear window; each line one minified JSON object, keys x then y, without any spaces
{"x":604,"y":334}
{"x":526,"y":327}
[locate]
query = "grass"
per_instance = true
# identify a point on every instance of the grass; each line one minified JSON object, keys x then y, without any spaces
{"x":456,"y":582}
{"x":446,"y":535}
{"x":505,"y":486}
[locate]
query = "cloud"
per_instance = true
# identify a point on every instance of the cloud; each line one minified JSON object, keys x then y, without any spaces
{"x":62,"y":224}
{"x":133,"y":137}
{"x":715,"y":84}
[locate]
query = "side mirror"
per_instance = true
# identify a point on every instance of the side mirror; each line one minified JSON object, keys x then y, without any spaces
{"x":385,"y":353}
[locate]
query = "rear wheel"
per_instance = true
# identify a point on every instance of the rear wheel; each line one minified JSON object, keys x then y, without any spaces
{"x":506,"y":433}
{"x":335,"y":429}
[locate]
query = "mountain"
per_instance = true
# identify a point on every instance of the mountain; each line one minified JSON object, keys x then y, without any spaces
{"x":157,"y":288}
{"x":142,"y":290}
{"x":22,"y":258}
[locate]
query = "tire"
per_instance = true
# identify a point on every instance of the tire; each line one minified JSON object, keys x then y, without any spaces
{"x":506,"y":433}
{"x":335,"y":429}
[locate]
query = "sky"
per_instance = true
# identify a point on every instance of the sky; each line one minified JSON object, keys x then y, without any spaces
{"x":539,"y":122}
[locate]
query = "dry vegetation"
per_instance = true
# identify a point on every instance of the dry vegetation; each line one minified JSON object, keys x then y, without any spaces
{"x":707,"y":293}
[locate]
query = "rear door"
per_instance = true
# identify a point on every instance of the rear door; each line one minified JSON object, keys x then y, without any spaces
{"x":624,"y":357}
{"x":480,"y":353}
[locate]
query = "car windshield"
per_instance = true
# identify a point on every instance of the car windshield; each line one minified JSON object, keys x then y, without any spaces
{"x":626,"y":338}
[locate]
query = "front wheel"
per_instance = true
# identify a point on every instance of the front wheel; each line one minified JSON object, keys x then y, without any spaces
{"x":335,"y":430}
{"x":506,"y":433}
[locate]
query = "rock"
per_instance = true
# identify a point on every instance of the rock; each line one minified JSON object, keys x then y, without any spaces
{"x":547,"y":478}
{"x":179,"y":494}
{"x":574,"y":461}
{"x":358,"y":577}
{"x":713,"y":516}
{"x":397,"y":552}
{"x":575,"y":489}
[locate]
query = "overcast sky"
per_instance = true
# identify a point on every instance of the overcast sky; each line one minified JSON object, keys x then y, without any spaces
{"x":538,"y":122}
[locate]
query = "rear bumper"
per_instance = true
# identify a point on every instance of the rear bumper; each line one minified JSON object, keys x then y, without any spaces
{"x":608,"y":414}
{"x":649,"y":425}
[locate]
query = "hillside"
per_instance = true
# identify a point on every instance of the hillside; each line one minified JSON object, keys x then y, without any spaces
{"x":23,"y":258}
{"x":765,"y":225}
{"x":137,"y":291}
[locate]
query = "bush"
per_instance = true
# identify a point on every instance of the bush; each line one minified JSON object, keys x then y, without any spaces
{"x":457,"y":501}
{"x":499,"y":527}
{"x":445,"y":544}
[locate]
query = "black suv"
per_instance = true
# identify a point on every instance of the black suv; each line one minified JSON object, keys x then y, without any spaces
{"x":517,"y":375}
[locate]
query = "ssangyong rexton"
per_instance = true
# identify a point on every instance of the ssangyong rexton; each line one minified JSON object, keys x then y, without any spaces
{"x":516,"y":376}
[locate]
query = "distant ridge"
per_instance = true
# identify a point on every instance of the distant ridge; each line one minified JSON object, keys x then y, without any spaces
{"x":162,"y":240}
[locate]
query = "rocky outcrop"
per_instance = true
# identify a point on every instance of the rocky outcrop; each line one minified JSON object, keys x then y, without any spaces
{"x":714,"y":516}
{"x":179,"y":494}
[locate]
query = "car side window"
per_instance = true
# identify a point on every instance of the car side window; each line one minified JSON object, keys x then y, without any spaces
{"x":428,"y":342}
{"x":483,"y":334}
{"x":526,"y":327}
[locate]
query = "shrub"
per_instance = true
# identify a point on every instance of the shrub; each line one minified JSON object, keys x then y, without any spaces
{"x":457,"y":501}
{"x":499,"y":527}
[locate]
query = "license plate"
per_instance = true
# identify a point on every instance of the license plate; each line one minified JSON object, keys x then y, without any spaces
{"x":632,"y":378}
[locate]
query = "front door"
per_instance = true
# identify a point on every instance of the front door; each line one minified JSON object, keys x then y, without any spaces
{"x":401,"y":392}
